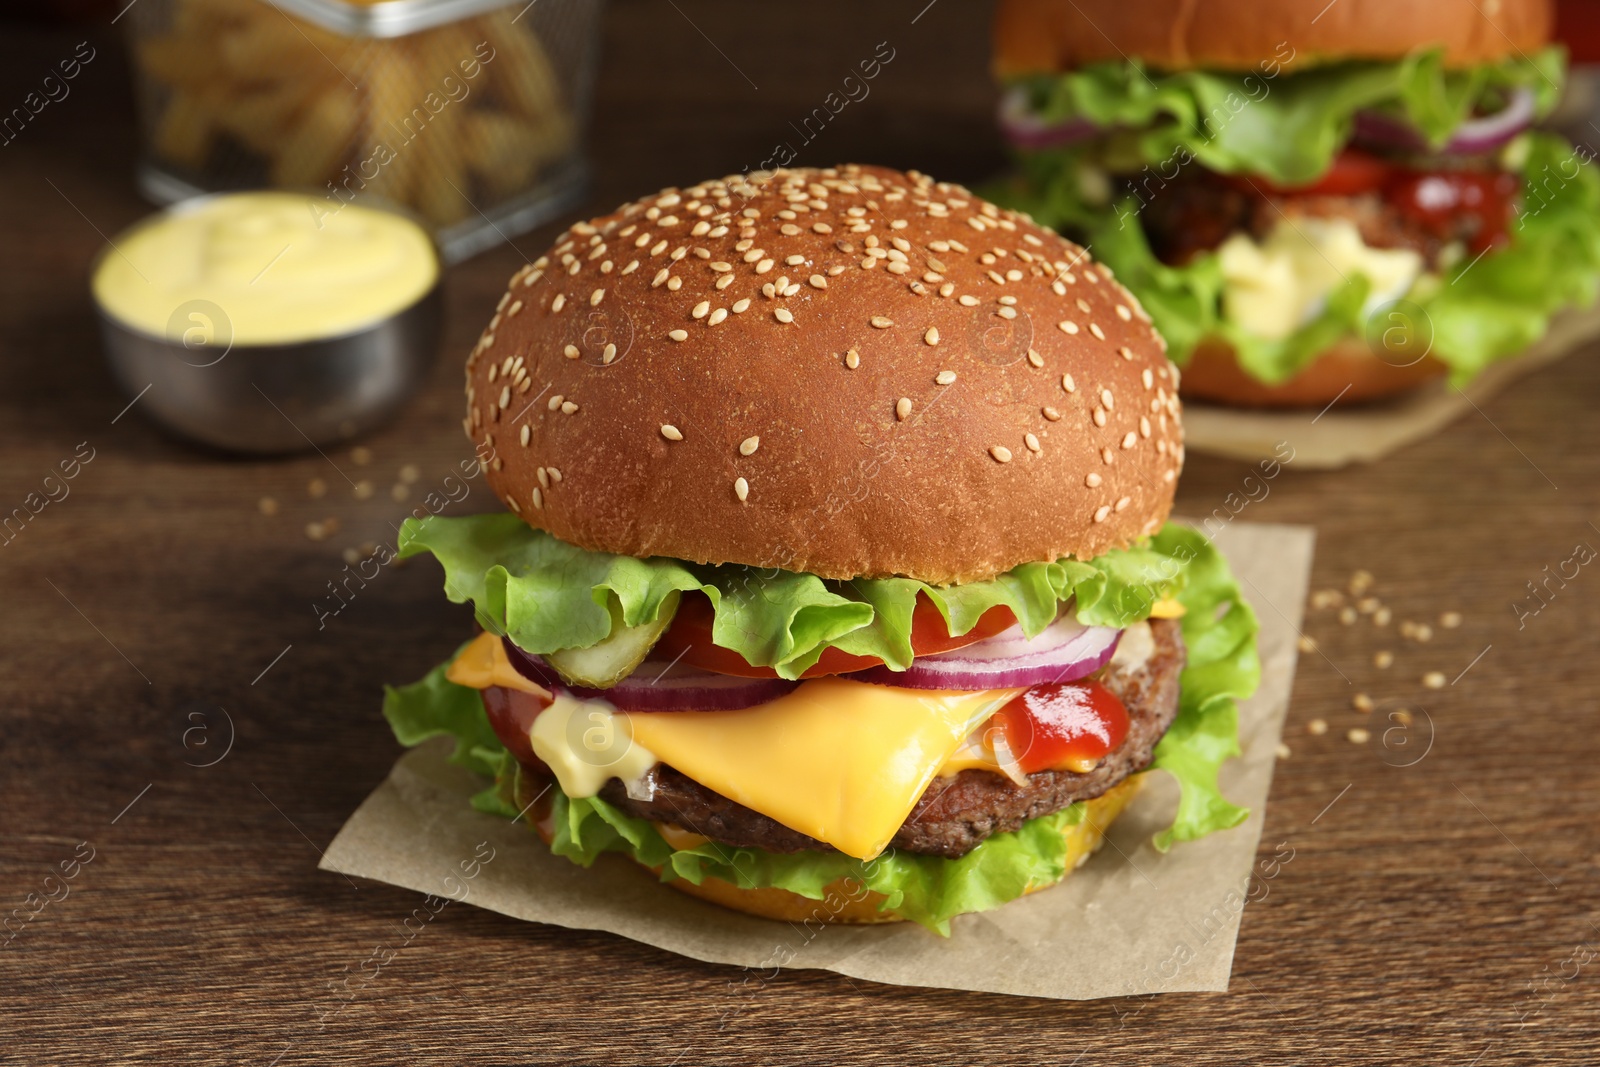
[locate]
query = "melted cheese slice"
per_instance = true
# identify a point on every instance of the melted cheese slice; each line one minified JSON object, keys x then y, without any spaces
{"x":841,"y":761}
{"x":1274,"y":287}
{"x":484,"y":663}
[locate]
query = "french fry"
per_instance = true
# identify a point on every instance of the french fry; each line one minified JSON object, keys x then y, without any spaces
{"x":183,"y":134}
{"x":316,"y":146}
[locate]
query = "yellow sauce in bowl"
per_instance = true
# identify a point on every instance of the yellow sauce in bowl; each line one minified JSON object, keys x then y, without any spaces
{"x":278,"y":267}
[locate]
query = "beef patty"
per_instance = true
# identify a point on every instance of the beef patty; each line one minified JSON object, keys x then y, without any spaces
{"x":956,"y":812}
{"x":1200,"y":210}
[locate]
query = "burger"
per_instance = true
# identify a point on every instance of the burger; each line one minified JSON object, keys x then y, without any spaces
{"x":1312,"y":200}
{"x":834,"y":581}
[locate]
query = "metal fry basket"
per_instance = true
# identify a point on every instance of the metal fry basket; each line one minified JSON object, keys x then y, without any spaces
{"x":471,"y":114}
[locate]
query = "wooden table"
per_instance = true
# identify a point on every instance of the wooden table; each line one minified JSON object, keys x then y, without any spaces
{"x":1441,"y":913}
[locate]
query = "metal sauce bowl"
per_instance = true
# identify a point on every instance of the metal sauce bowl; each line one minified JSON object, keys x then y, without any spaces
{"x":276,"y":398}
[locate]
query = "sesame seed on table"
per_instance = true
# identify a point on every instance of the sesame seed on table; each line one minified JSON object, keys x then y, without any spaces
{"x":1415,"y":922}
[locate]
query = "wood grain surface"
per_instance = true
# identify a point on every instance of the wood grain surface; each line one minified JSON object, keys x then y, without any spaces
{"x":1443,"y":912}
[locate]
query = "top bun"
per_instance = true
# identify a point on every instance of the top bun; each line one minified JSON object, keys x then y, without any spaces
{"x":1047,"y":36}
{"x":850,"y":372}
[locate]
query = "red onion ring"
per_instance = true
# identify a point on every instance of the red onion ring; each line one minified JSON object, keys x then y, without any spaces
{"x":1026,"y":130}
{"x":1481,"y":134}
{"x":1066,"y":651}
{"x":660,"y":686}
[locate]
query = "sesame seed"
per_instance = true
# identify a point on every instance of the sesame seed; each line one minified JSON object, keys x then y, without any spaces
{"x":724,"y":281}
{"x":1032,"y":441}
{"x":1123,"y":502}
{"x":794,"y":261}
{"x":1035,"y":358}
{"x":764,"y":266}
{"x":608,"y":354}
{"x":818,"y":282}
{"x":596,"y":296}
{"x":1358,"y":736}
{"x":571,"y":352}
{"x":1099,"y":416}
{"x":679,"y":335}
{"x":1362,"y":703}
{"x":505,"y":396}
{"x":1108,"y":400}
{"x":544,"y":479}
{"x":1092,"y":480}
{"x":559,"y":302}
{"x":741,"y":306}
{"x":1068,"y":326}
{"x":741,"y":489}
{"x":1068,"y":384}
{"x":1317,"y":727}
{"x":538,"y":497}
{"x":659,"y":247}
{"x":701,"y":309}
{"x":1433,"y":680}
{"x":1001,"y":453}
{"x":717,"y":316}
{"x":945,"y":377}
{"x":1383,"y":660}
{"x":783,"y":315}
{"x":1094,"y":328}
{"x":968,"y":300}
{"x":1450,"y":620}
{"x":661,"y":275}
{"x":1007,"y":313}
{"x":1123,"y":313}
{"x":1102,"y":512}
{"x":1083,"y":306}
{"x":902,"y":408}
{"x":932,"y":336}
{"x":1147,"y":378}
{"x":1051,"y":413}
{"x":568,"y":408}
{"x":879,"y":322}
{"x":749,"y":445}
{"x":671,"y":432}
{"x":1144,"y":426}
{"x":527,"y":432}
{"x":555,"y":475}
{"x":852,"y":359}
{"x":721,"y":267}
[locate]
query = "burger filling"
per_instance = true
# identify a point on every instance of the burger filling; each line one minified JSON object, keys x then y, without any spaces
{"x":935,"y":746}
{"x":1285,"y":208}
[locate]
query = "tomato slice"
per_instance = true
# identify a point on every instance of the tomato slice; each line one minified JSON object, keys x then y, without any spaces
{"x":1353,"y":172}
{"x":1050,"y":725}
{"x":689,"y":639}
{"x":511,"y":713}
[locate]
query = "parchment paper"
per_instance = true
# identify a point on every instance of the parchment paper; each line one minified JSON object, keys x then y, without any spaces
{"x":1346,"y":434}
{"x":1130,"y":921}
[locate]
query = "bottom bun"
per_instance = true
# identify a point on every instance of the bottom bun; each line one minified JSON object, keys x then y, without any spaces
{"x":1348,"y":368}
{"x":844,"y":901}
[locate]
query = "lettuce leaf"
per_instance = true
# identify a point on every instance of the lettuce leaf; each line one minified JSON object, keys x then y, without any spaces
{"x":1219,"y":630}
{"x":547,"y":595}
{"x":1478,"y":312}
{"x":1283,"y":123}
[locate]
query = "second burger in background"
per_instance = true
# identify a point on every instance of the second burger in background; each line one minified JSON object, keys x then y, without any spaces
{"x":1311,"y":203}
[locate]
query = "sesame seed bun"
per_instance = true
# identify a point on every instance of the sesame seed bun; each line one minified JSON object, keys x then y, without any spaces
{"x":849,"y":372}
{"x":1046,"y":36}
{"x":1348,"y":372}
